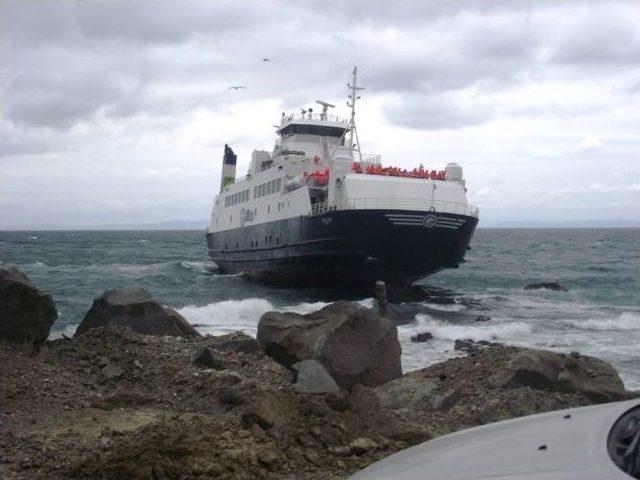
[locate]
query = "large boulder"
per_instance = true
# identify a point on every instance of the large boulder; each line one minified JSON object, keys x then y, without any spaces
{"x":134,"y":308}
{"x":26,"y":314}
{"x":353,"y":343}
{"x":544,"y":370}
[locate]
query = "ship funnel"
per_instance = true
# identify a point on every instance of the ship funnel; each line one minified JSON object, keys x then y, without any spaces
{"x":228,"y":167}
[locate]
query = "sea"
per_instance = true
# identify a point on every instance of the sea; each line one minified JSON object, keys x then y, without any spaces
{"x":599,"y":314}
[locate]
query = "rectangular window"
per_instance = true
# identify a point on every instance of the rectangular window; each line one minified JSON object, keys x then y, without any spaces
{"x":279,"y":185}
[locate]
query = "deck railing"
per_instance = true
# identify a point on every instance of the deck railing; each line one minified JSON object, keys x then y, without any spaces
{"x":381,"y":203}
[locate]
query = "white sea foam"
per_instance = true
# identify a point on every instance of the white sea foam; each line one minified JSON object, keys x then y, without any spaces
{"x":200,"y":267}
{"x":230,"y":315}
{"x":624,"y":321}
{"x":493,"y":331}
{"x":445,"y":307}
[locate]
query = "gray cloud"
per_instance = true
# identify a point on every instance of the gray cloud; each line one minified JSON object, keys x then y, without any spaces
{"x":612,"y":37}
{"x":131,"y":83}
{"x":436,"y":113}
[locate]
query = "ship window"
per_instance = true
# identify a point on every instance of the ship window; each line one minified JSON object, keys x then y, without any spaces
{"x":279,"y":185}
{"x":230,"y":218}
{"x":237,"y":246}
{"x":265,"y":240}
{"x":277,"y":240}
{"x":270,"y":239}
{"x":268,"y":208}
{"x":321,"y":130}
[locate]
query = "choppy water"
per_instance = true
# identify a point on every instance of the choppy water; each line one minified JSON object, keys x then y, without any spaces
{"x":599,"y":315}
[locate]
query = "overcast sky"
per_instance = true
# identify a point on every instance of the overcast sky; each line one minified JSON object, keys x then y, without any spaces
{"x":118,"y":111}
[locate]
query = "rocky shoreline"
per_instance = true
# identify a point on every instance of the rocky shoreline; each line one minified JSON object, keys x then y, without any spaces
{"x":314,"y":397}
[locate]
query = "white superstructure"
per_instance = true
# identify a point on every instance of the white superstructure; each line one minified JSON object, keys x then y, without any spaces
{"x":316,"y":166}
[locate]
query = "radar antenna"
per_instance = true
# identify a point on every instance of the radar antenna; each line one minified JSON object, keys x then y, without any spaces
{"x":353,"y":96}
{"x":325,"y":107}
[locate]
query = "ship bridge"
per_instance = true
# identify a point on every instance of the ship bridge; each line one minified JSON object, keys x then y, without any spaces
{"x":307,"y":122}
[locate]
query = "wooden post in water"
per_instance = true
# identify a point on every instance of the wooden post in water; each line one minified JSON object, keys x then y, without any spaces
{"x":381,"y":297}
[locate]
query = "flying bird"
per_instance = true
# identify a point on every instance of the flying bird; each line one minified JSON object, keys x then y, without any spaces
{"x":265,"y":59}
{"x":237,"y":87}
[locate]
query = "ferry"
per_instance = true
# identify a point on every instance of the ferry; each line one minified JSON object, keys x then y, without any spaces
{"x":316,"y":211}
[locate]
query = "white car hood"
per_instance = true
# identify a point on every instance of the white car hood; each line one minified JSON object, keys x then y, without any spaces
{"x":576,"y":449}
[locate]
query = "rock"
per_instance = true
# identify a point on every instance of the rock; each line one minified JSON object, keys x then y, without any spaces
{"x":269,"y":410}
{"x":555,"y":286}
{"x":472,"y":347}
{"x":341,"y":451}
{"x":207,"y":357}
{"x":268,"y":457}
{"x":362,"y":445}
{"x":350,"y":341}
{"x":240,"y":345}
{"x":26,"y":313}
{"x":421,"y":337}
{"x":111,"y":370}
{"x":231,"y":396}
{"x":134,"y":308}
{"x":544,"y":370}
{"x":313,"y":378}
{"x":410,"y":390}
{"x":535,"y":369}
{"x":482,"y":318}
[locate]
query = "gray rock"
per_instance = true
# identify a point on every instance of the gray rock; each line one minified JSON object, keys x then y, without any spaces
{"x":411,"y":390}
{"x":421,"y":337}
{"x":313,"y":378}
{"x":362,"y":445}
{"x":555,"y":286}
{"x":26,"y":314}
{"x":112,"y":370}
{"x":269,"y":409}
{"x":134,"y":308}
{"x":353,"y":343}
{"x":544,"y":370}
{"x":472,"y":347}
{"x":240,"y":345}
{"x":209,"y":358}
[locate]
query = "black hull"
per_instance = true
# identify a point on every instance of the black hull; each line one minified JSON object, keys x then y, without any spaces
{"x":352,"y":248}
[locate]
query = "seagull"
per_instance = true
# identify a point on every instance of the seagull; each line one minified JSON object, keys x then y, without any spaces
{"x":265,"y":59}
{"x":237,"y":87}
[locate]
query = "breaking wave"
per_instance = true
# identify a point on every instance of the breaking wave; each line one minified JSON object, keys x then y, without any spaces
{"x":625,"y":321}
{"x":492,"y":331}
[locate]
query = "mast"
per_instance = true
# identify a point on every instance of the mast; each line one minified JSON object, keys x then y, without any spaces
{"x":353,"y":96}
